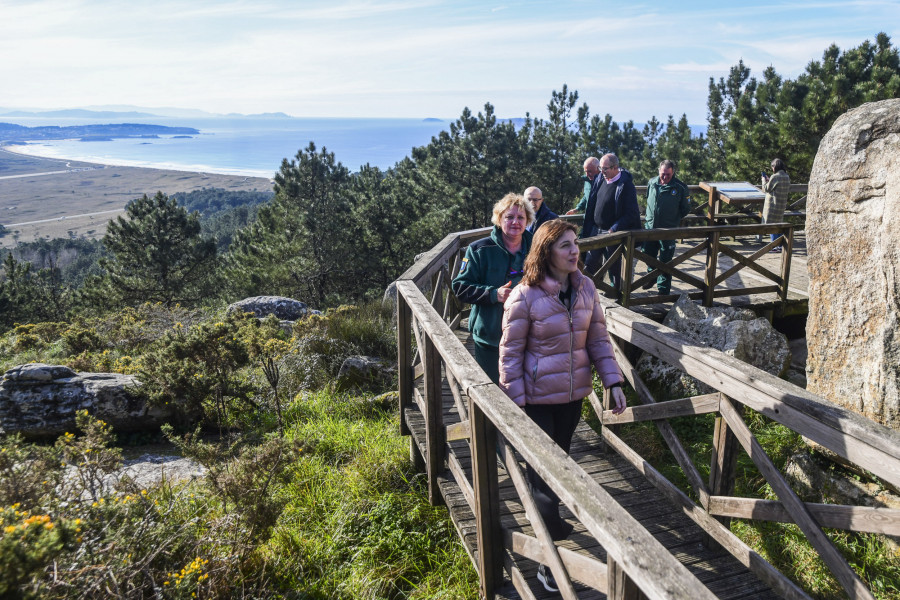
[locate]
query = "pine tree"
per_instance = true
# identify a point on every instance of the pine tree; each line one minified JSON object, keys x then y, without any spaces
{"x":156,"y":254}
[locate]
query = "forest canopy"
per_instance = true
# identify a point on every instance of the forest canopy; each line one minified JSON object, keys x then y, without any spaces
{"x":329,"y":235}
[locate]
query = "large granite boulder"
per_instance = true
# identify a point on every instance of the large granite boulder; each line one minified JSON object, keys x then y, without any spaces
{"x":853,"y":240}
{"x":737,"y":332}
{"x":39,"y":401}
{"x":364,"y":373}
{"x":285,"y":309}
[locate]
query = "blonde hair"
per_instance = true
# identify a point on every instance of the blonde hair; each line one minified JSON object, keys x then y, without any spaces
{"x":507,"y":202}
{"x":537,"y":263}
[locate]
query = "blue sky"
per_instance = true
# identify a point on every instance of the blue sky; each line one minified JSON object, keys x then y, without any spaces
{"x":410,"y":58}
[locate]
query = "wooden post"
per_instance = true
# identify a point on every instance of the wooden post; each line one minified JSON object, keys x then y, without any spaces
{"x":620,"y":586}
{"x":487,"y":501}
{"x":786,"y":255}
{"x":404,"y":360}
{"x":434,"y":421}
{"x":712,"y":264}
{"x":722,"y":469}
{"x":626,"y":273}
{"x":713,"y":208}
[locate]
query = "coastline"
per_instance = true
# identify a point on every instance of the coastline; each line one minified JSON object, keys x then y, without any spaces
{"x":38,"y":150}
{"x":45,"y":198}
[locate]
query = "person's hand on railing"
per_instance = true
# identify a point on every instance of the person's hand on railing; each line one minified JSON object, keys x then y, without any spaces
{"x":503,"y":292}
{"x":617,"y":397}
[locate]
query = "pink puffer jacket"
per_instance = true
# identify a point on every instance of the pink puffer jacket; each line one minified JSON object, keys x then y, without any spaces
{"x":546,"y":356}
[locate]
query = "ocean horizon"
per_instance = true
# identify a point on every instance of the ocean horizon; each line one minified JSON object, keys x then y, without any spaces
{"x":240,"y":145}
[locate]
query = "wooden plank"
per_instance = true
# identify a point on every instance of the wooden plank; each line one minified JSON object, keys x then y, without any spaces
{"x":747,"y":262}
{"x":404,"y":360}
{"x":654,"y":570}
{"x":458,"y":431}
{"x":845,"y":574}
{"x":456,"y":358}
{"x":885,"y":521}
{"x":619,"y":585}
{"x":549,"y":553}
{"x":487,"y":501}
{"x":786,"y":253}
{"x":712,"y":264}
{"x":431,"y":261}
{"x":730,"y":542}
{"x":723,"y":465}
{"x":696,"y":405}
{"x":585,"y":569}
{"x":665,"y":428}
{"x":459,"y":475}
{"x":434,"y":430}
{"x":859,"y":440}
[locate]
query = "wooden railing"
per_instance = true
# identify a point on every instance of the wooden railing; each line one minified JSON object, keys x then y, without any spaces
{"x":627,"y":250}
{"x":495,"y":428}
{"x":705,"y":207}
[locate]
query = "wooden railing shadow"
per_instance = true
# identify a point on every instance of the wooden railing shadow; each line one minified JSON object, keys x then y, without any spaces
{"x":498,"y":433}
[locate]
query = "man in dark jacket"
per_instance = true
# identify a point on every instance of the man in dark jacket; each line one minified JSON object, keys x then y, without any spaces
{"x":615,"y":209}
{"x":668,"y":201}
{"x":542,"y":214}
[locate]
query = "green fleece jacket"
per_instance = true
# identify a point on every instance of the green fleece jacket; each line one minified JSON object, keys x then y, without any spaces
{"x":487,"y":266}
{"x":666,"y":204}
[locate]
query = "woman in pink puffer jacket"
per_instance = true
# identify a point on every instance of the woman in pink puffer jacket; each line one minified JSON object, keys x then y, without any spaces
{"x":553,"y":331}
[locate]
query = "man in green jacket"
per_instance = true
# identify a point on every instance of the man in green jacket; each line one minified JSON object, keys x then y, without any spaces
{"x":668,"y":201}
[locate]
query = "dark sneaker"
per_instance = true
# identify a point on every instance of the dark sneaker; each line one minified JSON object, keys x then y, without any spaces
{"x":663,"y":292}
{"x":776,"y":250}
{"x":546,"y":577}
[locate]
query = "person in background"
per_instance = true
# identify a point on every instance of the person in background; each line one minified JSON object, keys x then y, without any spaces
{"x":616,"y":209}
{"x":553,"y":331}
{"x":777,"y":189}
{"x":589,"y":196}
{"x":490,"y":270}
{"x":542,"y":213}
{"x":668,"y":201}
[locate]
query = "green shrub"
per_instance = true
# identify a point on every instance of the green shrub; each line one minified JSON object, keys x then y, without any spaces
{"x":200,"y":368}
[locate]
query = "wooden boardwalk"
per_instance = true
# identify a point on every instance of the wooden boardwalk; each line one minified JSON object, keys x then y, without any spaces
{"x":719,"y":571}
{"x":636,"y":534}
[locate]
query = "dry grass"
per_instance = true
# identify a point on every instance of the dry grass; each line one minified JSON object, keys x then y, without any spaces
{"x":66,"y":202}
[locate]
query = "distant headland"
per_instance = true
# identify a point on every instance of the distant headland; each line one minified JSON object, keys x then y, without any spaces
{"x":10,"y":132}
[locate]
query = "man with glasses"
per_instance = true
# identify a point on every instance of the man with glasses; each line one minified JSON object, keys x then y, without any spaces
{"x":615,"y":209}
{"x":542,"y":214}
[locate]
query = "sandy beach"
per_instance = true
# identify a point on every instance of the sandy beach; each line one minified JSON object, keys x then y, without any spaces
{"x":48,"y":198}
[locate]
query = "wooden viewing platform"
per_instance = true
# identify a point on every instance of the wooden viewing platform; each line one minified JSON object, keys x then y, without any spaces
{"x":637,"y":535}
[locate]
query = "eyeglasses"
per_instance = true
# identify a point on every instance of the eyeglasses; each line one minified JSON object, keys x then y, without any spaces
{"x":605,"y":169}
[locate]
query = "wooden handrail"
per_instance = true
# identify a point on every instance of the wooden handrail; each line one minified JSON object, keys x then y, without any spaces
{"x":645,"y":560}
{"x":492,"y":419}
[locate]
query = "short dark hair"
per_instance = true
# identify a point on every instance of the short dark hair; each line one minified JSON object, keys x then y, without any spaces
{"x":667,"y":164}
{"x":778,"y":165}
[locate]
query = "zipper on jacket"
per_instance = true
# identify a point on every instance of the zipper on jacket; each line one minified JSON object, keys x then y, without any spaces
{"x":571,"y":353}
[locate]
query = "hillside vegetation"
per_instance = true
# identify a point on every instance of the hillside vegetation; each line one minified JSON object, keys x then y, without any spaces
{"x":309,"y":491}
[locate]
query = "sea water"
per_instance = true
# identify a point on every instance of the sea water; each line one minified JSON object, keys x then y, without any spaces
{"x":241,"y":145}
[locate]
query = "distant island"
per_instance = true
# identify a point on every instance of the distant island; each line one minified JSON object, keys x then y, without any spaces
{"x":10,"y":132}
{"x":432,"y":120}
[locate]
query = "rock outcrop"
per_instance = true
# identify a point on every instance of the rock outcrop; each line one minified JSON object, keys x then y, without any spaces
{"x":285,"y":309}
{"x":853,"y":239}
{"x":737,"y":332}
{"x":40,"y":401}
{"x":364,"y":373}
